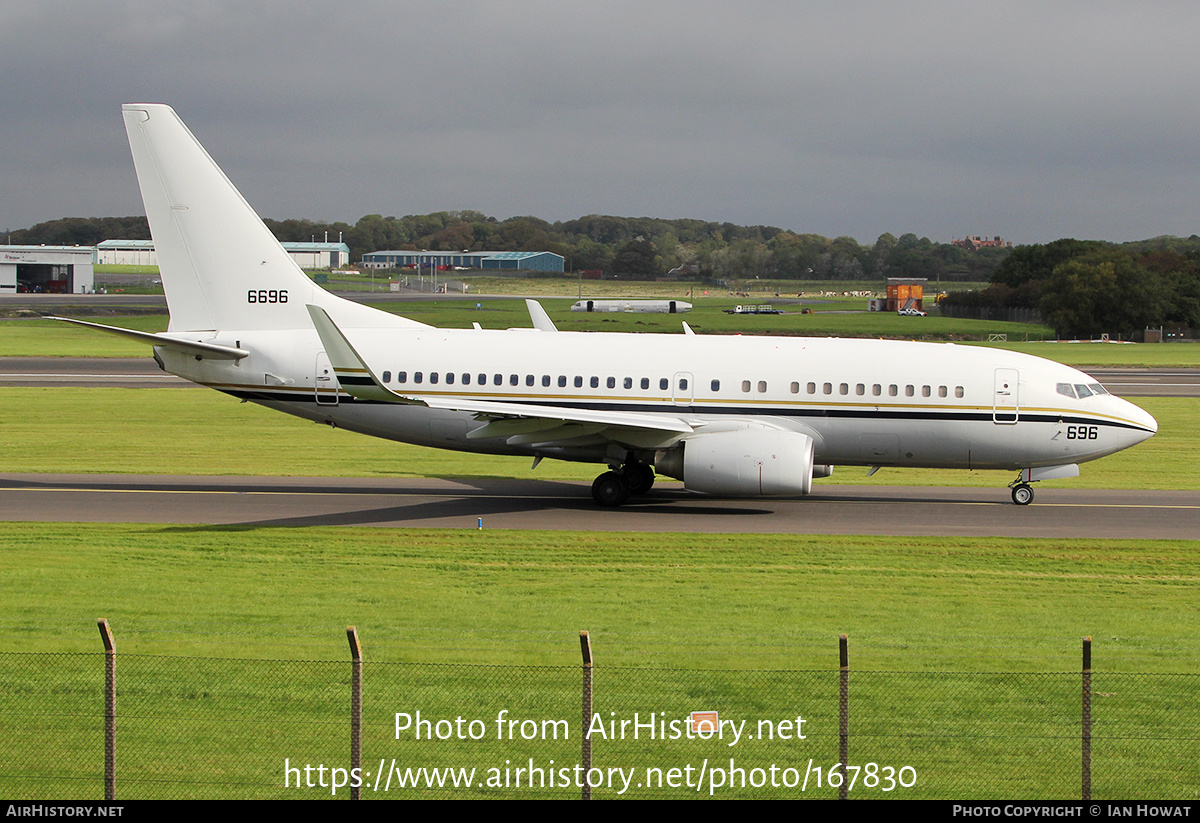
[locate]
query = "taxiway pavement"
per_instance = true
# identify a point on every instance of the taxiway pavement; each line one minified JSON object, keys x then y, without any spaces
{"x":552,"y":505}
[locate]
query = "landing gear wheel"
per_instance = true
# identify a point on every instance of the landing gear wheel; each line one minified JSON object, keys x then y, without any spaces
{"x":1022,"y":494}
{"x":610,"y":489}
{"x":638,"y":476}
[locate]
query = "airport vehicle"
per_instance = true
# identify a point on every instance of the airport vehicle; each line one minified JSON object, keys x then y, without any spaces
{"x":910,"y":312}
{"x":728,"y":415}
{"x":649,"y":306}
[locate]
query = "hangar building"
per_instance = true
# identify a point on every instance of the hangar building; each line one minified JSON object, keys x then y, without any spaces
{"x":306,"y":255}
{"x":508,"y":260}
{"x":47,"y":269}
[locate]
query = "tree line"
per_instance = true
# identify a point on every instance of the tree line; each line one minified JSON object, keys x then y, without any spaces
{"x":629,"y":247}
{"x":1083,"y":288}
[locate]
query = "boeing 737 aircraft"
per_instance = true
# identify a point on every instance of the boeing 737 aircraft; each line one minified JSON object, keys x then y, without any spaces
{"x":728,"y":415}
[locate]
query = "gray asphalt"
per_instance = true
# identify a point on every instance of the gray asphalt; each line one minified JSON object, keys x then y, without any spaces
{"x":142,"y":372}
{"x":549,"y":505}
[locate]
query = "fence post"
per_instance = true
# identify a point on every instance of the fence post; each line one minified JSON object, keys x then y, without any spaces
{"x":585,"y":755}
{"x":110,"y":710}
{"x":1086,"y":742}
{"x":844,"y":713}
{"x":355,"y":709}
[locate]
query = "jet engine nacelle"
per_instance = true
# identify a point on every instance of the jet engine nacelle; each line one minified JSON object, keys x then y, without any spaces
{"x":749,"y":462}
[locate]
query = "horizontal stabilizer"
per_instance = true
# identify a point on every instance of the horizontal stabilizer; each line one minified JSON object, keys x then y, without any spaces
{"x":190,"y":347}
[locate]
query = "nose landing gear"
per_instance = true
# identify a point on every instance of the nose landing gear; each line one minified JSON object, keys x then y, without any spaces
{"x":1022,"y":493}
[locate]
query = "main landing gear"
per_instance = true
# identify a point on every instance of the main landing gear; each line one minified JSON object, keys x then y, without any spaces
{"x":615,"y":487}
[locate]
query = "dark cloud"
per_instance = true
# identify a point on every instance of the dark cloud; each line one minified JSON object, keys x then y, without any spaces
{"x":1034,"y":121}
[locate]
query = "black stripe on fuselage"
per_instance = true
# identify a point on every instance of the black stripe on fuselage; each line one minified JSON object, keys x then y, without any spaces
{"x":801,"y":412}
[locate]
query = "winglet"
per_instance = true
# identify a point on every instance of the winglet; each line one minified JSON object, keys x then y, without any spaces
{"x":541,"y":320}
{"x":352,"y":371}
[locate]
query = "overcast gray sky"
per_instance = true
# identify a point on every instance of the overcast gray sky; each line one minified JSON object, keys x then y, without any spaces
{"x":1029,"y":120}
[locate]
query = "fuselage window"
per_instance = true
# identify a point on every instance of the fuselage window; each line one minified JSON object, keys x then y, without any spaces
{"x":449,"y":378}
{"x":418,"y":377}
{"x":876,"y":389}
{"x":594,"y":382}
{"x":909,"y":391}
{"x":628,"y":383}
{"x":827,"y":388}
{"x":529,"y":380}
{"x":562,"y":381}
{"x":579,"y":381}
{"x":860,"y":389}
{"x":942,"y":392}
{"x":812,"y":388}
{"x":466,"y":379}
{"x":716,"y":385}
{"x":762,"y":386}
{"x":545,"y":380}
{"x":958,"y":391}
{"x":925,"y":391}
{"x":664,"y":384}
{"x":745,"y":385}
{"x":433,"y":377}
{"x":611,"y":382}
{"x":795,"y":387}
{"x":387,"y":376}
{"x":843,"y":388}
{"x":892,"y":390}
{"x":498,"y":379}
{"x":401,"y":377}
{"x":514,"y":380}
{"x":683,"y":384}
{"x":645,"y":384}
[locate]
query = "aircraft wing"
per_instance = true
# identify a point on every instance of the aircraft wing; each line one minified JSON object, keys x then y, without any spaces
{"x":532,"y":422}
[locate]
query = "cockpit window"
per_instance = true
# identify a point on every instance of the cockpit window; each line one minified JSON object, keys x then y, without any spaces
{"x":1083,"y":390}
{"x":1097,"y":388}
{"x":1066,"y":389}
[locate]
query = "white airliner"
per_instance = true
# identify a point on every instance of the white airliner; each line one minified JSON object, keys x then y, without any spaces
{"x":728,"y":415}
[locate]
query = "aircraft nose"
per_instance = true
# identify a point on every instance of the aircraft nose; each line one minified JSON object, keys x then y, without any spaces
{"x":1141,"y":418}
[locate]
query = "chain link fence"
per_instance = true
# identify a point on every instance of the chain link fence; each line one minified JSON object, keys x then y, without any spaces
{"x":189,"y":727}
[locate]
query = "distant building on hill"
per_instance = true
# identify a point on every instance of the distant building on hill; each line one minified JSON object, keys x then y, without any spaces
{"x":975,"y":243}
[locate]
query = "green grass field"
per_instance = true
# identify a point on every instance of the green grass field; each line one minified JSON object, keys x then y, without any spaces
{"x":961,"y":652}
{"x":520,"y":598}
{"x":34,"y":337}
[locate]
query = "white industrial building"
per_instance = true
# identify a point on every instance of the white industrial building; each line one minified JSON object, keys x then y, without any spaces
{"x":47,"y":269}
{"x":306,"y":255}
{"x":126,"y":253}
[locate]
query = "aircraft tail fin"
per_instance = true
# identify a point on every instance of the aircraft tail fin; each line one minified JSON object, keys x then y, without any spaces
{"x":221,"y":267}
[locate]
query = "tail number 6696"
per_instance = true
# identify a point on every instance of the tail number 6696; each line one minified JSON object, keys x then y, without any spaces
{"x":266,"y":296}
